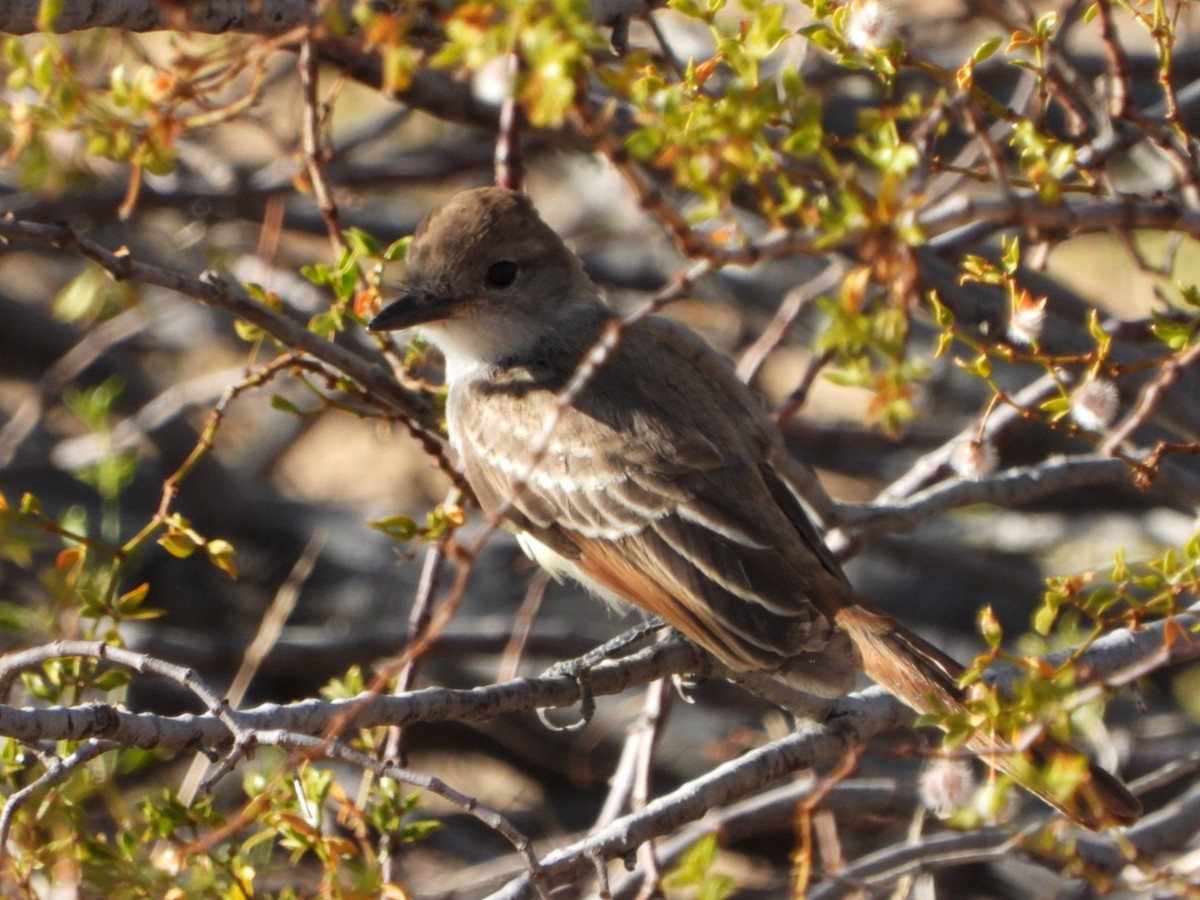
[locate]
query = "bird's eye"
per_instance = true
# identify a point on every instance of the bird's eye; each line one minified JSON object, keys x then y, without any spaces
{"x":501,"y":274}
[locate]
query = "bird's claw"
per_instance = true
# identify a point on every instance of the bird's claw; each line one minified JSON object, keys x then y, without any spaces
{"x":579,"y":670}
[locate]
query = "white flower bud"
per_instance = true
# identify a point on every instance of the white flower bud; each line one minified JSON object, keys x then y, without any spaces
{"x":946,"y":786}
{"x":869,"y":24}
{"x":1094,"y":404}
{"x":1027,"y":320}
{"x":973,"y":459}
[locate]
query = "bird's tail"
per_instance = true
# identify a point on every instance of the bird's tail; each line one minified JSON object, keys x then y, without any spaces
{"x":926,"y":679}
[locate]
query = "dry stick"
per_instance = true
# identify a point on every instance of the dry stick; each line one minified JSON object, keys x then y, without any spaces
{"x":313,"y":145}
{"x":339,"y":720}
{"x":630,"y":781}
{"x":951,"y":180}
{"x":1120,"y":84}
{"x":994,"y":157}
{"x":805,"y":853}
{"x":269,"y":630}
{"x":277,"y":615}
{"x":510,"y":169}
{"x":620,"y":783}
{"x":1122,"y":655}
{"x":793,"y":303}
{"x":668,"y":54}
{"x":418,"y":621}
{"x":1166,"y":774}
{"x":192,"y":732}
{"x":1067,"y":217}
{"x":988,"y":845}
{"x":650,"y":726}
{"x":799,"y":395}
{"x":204,"y":445}
{"x":1090,"y":156}
{"x":1149,"y":397}
{"x":522,"y":626}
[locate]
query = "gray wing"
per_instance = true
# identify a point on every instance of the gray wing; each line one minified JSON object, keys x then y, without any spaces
{"x":659,"y":492}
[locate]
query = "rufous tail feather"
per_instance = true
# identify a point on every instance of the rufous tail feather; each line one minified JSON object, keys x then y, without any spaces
{"x":926,"y":679}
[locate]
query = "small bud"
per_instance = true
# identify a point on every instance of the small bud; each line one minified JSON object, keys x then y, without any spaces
{"x":1094,"y":404}
{"x":869,"y":24}
{"x":946,"y":786}
{"x":973,"y":459}
{"x":1028,"y":318}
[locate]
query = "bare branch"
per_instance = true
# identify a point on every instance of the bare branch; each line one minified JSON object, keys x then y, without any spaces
{"x":216,"y":17}
{"x":1012,"y":486}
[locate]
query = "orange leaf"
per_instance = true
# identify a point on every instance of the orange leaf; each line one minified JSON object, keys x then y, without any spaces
{"x":67,"y":559}
{"x":705,"y":70}
{"x":1173,"y":632}
{"x":965,"y":76}
{"x":365,"y":303}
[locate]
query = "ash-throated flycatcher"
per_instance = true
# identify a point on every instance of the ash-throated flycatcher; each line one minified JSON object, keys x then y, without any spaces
{"x":658,"y":485}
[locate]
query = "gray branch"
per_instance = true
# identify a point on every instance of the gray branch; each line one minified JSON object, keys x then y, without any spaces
{"x":210,"y":17}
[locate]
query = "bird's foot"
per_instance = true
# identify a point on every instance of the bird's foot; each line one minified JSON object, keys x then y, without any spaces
{"x":579,"y":669}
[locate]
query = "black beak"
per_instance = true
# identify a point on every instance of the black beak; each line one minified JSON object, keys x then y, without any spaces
{"x":412,"y":309}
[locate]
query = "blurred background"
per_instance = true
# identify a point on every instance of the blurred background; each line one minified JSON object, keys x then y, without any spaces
{"x":107,"y":386}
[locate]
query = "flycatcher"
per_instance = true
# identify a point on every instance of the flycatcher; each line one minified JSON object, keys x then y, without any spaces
{"x":659,"y":483}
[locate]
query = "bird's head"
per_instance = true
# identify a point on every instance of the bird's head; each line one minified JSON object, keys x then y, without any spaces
{"x":485,"y":277}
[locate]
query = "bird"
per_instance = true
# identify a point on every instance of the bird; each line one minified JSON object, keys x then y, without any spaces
{"x":659,"y":483}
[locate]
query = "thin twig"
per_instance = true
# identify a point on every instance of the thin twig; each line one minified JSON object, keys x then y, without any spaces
{"x":57,"y":768}
{"x":314,"y":154}
{"x":269,"y":629}
{"x":1149,"y":397}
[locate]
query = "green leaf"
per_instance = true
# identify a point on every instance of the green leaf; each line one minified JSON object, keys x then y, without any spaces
{"x":1043,"y":620}
{"x":256,"y":291}
{"x":989,"y":627}
{"x":397,"y":250}
{"x":247,"y":332}
{"x":824,"y":37}
{"x":131,"y":600}
{"x":361,"y":242}
{"x":399,"y":528}
{"x":987,"y":48}
{"x":221,"y":554}
{"x":317,"y":274}
{"x":1057,"y":406}
{"x":37,"y":687}
{"x":178,"y":544}
{"x":283,"y":404}
{"x":112,"y":680}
